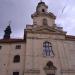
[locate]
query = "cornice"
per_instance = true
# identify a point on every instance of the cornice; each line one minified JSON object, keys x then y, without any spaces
{"x":70,"y":37}
{"x":12,"y":41}
{"x":50,"y":15}
{"x":40,"y":32}
{"x":45,"y":30}
{"x":68,"y":71}
{"x":32,"y":71}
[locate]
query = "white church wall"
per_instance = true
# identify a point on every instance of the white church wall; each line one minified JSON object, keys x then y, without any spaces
{"x":60,"y":47}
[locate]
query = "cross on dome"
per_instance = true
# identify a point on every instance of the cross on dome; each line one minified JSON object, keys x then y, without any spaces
{"x":9,"y":22}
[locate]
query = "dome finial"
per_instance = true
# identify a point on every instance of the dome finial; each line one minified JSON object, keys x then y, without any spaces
{"x":40,"y":0}
{"x":9,"y":22}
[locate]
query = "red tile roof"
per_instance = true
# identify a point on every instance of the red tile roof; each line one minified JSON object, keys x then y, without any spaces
{"x":11,"y":40}
{"x":70,"y":37}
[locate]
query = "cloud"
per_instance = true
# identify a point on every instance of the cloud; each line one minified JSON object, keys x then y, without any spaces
{"x":19,"y":12}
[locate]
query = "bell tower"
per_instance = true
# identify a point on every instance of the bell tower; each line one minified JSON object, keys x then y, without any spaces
{"x":41,"y":8}
{"x":42,"y":16}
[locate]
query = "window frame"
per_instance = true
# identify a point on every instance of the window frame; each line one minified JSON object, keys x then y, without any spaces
{"x":45,"y":22}
{"x":16,"y":59}
{"x":18,"y":47}
{"x":15,"y":72}
{"x":50,"y":74}
{"x":47,"y":49}
{"x":0,"y":47}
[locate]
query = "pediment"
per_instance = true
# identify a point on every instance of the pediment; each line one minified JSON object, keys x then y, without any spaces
{"x":46,"y":29}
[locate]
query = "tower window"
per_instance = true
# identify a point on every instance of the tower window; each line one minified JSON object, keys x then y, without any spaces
{"x":45,"y":21}
{"x":0,"y":47}
{"x":15,"y":73}
{"x":43,"y":10}
{"x":16,"y":58}
{"x":47,"y":49}
{"x":18,"y":46}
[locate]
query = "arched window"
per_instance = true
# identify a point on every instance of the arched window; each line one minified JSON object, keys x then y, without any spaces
{"x":47,"y":49}
{"x":45,"y":22}
{"x":49,"y":64}
{"x":16,"y":58}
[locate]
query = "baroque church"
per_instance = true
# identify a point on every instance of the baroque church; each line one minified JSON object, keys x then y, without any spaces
{"x":45,"y":49}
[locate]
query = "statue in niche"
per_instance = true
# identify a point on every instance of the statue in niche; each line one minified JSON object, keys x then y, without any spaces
{"x":7,"y":32}
{"x":50,"y":69}
{"x":45,"y":22}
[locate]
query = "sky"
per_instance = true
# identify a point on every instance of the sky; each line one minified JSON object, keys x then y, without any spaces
{"x":19,"y":13}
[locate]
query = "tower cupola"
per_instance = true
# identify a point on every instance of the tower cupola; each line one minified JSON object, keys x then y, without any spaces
{"x":42,"y":16}
{"x":41,"y":7}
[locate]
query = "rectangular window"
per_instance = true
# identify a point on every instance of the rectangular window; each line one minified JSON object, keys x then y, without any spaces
{"x":50,"y":74}
{"x":15,"y":73}
{"x":18,"y":46}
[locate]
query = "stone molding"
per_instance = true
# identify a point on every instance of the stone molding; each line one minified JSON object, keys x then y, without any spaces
{"x":32,"y":71}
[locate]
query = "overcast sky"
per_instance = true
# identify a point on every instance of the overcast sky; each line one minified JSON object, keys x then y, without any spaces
{"x":19,"y":12}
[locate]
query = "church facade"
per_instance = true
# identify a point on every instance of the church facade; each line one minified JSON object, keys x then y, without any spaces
{"x":45,"y":49}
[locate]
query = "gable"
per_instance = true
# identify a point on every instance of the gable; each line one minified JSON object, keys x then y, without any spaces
{"x":47,"y":29}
